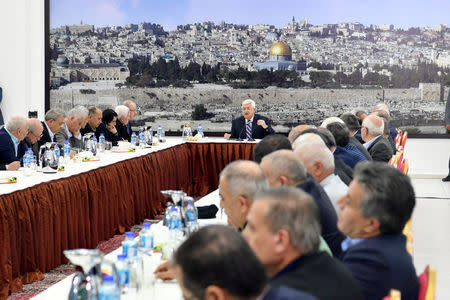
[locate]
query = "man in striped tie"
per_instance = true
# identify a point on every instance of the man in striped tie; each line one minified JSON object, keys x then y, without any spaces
{"x":250,"y":125}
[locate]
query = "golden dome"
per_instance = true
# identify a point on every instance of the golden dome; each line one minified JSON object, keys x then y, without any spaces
{"x":280,"y":48}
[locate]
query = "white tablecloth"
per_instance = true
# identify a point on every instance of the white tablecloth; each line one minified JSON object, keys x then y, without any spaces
{"x":162,"y":290}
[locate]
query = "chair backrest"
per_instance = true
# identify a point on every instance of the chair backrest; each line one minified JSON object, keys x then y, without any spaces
{"x":393,"y":295}
{"x":427,"y":281}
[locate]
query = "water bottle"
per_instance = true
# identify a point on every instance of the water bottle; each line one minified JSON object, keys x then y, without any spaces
{"x":141,"y":139}
{"x":146,"y":239}
{"x":67,"y":150}
{"x":159,"y":132}
{"x":94,"y":145}
{"x":133,"y":139}
{"x":136,"y":273}
{"x":123,"y":272}
{"x":101,"y":141}
{"x":129,"y":245}
{"x":57,"y":151}
{"x":27,"y":162}
{"x":191,"y":214}
{"x":200,"y":130}
{"x":108,"y":289}
{"x":174,"y":224}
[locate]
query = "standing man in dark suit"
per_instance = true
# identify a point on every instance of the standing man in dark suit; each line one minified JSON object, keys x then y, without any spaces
{"x":249,"y":125}
{"x":379,"y":202}
{"x":12,"y":134}
{"x":54,"y":120}
{"x":371,"y":132}
{"x":284,"y":232}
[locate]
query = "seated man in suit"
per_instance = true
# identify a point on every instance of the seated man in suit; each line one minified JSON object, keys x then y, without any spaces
{"x":93,"y":120}
{"x":341,"y":169}
{"x":35,"y":132}
{"x":132,"y":114}
{"x":284,"y":232}
{"x":123,"y":116}
{"x":249,"y":125}
{"x":319,"y":162}
{"x":217,"y":263}
{"x":371,"y":131}
{"x":12,"y":134}
{"x":54,"y":119}
{"x":349,"y":153}
{"x":353,"y":127}
{"x":296,"y":131}
{"x":75,"y":119}
{"x":379,"y":202}
{"x":386,"y":131}
{"x":284,"y":167}
{"x":383,"y":107}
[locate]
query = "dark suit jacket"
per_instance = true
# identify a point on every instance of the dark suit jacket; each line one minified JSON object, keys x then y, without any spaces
{"x":238,"y":128}
{"x":45,"y":136}
{"x":357,"y":136}
{"x":392,"y":132}
{"x":380,"y":264}
{"x":320,"y":275}
{"x":354,"y":141}
{"x":122,"y":131}
{"x":342,"y":170}
{"x":113,"y":138}
{"x":86,"y":129}
{"x":381,"y":150}
{"x":2,"y":167}
{"x":350,"y":155}
{"x":327,"y":213}
{"x":286,"y":293}
{"x":33,"y":147}
{"x":7,"y":152}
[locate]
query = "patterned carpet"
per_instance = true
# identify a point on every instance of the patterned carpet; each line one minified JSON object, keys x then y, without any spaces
{"x":61,"y":272}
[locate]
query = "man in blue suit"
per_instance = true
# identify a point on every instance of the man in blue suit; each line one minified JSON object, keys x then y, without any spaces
{"x":379,"y":202}
{"x":11,"y":136}
{"x":249,"y":125}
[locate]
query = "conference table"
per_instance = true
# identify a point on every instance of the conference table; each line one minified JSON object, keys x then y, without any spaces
{"x":43,"y":214}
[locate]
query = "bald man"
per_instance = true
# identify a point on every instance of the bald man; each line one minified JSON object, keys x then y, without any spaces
{"x":132,"y":113}
{"x":371,"y":132}
{"x":296,"y":131}
{"x":12,"y":134}
{"x":35,"y":131}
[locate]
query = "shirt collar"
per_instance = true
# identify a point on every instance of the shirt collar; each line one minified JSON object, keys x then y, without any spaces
{"x":369,"y":143}
{"x":50,"y":133}
{"x":251,"y":120}
{"x":14,"y":139}
{"x":327,"y":180}
{"x":348,"y":242}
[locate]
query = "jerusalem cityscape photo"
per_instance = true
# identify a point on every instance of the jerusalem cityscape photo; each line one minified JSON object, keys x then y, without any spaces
{"x":298,"y":69}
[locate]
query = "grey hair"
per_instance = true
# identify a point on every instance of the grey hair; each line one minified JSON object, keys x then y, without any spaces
{"x":78,"y":112}
{"x":92,"y":110}
{"x":244,"y":178}
{"x":372,"y":128}
{"x":122,"y":111}
{"x":54,"y":114}
{"x":388,"y":195}
{"x":286,"y":163}
{"x":331,"y":120}
{"x":16,"y":122}
{"x":296,"y":212}
{"x":307,"y":138}
{"x":249,"y":101}
{"x":312,"y":153}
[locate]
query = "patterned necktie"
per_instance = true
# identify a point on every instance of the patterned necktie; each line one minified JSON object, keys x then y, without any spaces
{"x":249,"y":129}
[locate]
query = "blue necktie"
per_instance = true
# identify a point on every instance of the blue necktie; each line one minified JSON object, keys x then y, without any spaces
{"x":249,"y":129}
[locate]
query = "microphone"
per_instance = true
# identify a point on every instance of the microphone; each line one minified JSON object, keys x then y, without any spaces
{"x":240,"y":134}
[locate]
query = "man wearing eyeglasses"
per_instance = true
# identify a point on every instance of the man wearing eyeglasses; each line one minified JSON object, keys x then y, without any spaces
{"x":35,"y":132}
{"x":131,"y":115}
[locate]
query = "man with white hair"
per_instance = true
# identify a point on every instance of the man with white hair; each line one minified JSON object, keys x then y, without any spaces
{"x":132,"y":114}
{"x":123,"y":117}
{"x":383,"y":107}
{"x":319,"y":162}
{"x":54,"y":119}
{"x":250,"y":125}
{"x":371,"y":132}
{"x":75,"y":120}
{"x":11,"y":136}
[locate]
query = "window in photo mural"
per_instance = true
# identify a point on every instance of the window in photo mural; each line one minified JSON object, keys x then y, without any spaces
{"x":300,"y":61}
